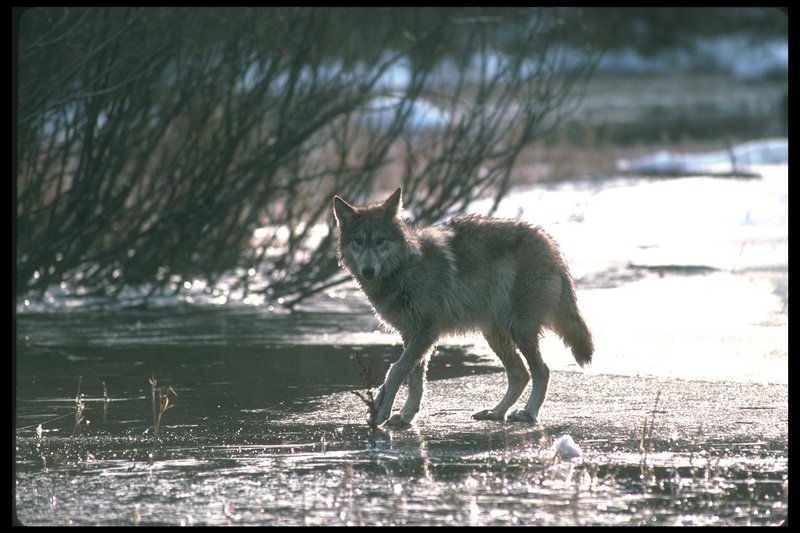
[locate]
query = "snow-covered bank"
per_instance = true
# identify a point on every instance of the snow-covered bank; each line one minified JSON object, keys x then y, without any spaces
{"x":630,"y":243}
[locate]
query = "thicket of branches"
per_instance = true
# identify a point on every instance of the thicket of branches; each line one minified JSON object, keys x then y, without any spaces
{"x":152,"y":143}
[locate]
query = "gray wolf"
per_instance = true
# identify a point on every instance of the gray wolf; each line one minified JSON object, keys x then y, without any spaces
{"x":504,"y":278}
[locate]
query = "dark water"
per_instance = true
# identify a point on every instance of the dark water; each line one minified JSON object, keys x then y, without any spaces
{"x":263,"y":430}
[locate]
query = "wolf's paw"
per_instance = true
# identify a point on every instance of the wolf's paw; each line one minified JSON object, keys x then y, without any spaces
{"x":379,"y":413}
{"x":522,"y":416}
{"x":397,"y":421}
{"x":377,"y":419}
{"x":488,"y":414}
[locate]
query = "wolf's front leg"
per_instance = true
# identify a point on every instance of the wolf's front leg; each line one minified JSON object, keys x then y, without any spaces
{"x":413,"y":355}
{"x":416,"y":390}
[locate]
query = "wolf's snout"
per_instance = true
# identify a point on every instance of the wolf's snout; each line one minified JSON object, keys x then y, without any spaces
{"x":368,"y":272}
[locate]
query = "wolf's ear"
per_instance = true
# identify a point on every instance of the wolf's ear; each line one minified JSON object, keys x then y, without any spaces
{"x":342,"y":211}
{"x":394,"y":204}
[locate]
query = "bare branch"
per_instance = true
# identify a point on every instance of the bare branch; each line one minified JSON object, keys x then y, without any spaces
{"x":153,"y":143}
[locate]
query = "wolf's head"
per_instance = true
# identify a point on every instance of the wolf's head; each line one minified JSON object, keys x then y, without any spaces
{"x":373,"y":239}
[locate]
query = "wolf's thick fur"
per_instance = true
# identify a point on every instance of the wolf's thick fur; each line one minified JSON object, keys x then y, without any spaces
{"x":504,"y":278}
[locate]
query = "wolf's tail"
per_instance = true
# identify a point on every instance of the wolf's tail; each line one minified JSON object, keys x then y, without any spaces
{"x":569,"y":325}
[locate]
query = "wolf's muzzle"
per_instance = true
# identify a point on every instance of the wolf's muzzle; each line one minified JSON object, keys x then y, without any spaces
{"x":368,"y":272}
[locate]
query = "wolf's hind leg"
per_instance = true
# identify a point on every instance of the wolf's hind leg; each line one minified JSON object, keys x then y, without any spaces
{"x":516,"y":373}
{"x":529,"y":346}
{"x":416,"y":389}
{"x":536,"y":296}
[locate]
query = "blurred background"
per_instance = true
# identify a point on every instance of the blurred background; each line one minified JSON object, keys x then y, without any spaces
{"x":162,"y":151}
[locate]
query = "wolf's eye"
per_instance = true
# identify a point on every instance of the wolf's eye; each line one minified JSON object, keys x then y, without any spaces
{"x":358,"y":242}
{"x":378,"y":242}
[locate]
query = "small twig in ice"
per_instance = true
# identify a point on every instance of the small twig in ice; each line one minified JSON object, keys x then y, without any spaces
{"x":368,"y":397}
{"x":79,"y":406}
